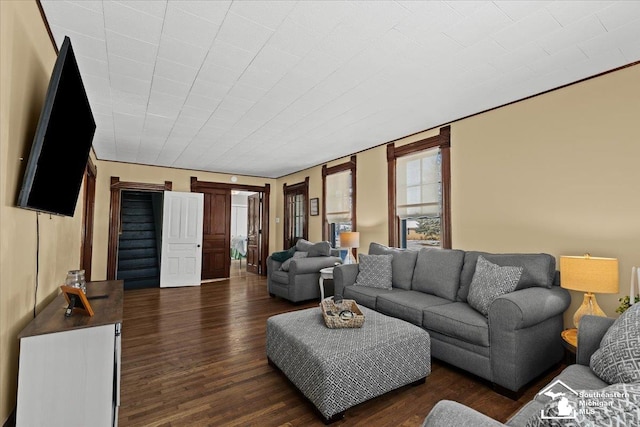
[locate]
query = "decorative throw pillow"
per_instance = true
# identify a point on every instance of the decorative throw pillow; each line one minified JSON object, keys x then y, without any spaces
{"x":374,"y":271}
{"x":618,"y":358}
{"x":489,"y":282}
{"x":282,"y":256}
{"x":296,"y":255}
{"x":314,"y":249}
{"x":616,"y":405}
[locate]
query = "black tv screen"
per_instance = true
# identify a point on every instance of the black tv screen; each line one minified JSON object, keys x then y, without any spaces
{"x":62,"y":142}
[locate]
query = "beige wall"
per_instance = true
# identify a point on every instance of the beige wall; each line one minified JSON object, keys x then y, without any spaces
{"x":557,"y":173}
{"x":26,"y":61}
{"x":181,"y":181}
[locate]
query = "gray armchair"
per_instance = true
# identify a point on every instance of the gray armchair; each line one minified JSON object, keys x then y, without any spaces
{"x":300,"y":282}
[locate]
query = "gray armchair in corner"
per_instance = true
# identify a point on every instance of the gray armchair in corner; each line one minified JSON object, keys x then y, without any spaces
{"x":296,"y":279}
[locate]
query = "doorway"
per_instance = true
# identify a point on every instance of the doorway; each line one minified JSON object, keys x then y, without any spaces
{"x":115,"y":216}
{"x":139,"y":239}
{"x":218,"y":244}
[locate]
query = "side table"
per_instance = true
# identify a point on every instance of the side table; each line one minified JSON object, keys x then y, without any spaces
{"x":325,"y":273}
{"x":570,"y":343}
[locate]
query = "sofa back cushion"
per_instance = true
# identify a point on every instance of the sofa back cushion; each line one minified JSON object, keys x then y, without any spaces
{"x":313,"y":249}
{"x":438,"y":271}
{"x":402,"y":263}
{"x":537,"y":269}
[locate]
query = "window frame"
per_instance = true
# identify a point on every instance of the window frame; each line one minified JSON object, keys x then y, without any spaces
{"x":441,"y":141}
{"x":350,"y":166}
{"x":301,"y":188}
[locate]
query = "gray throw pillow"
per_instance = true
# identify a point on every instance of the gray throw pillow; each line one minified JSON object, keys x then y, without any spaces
{"x":438,"y":272}
{"x":297,"y":255}
{"x":489,"y":282}
{"x":618,"y":358}
{"x":616,"y":405}
{"x":374,"y":271}
{"x":402,"y":264}
{"x":313,"y":249}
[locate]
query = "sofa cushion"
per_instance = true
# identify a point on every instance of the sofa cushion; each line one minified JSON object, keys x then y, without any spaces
{"x":489,"y":282}
{"x":402,"y":264}
{"x":366,"y":296}
{"x":438,"y":272}
{"x":578,"y":377}
{"x":314,"y":249}
{"x":296,"y":255}
{"x":374,"y":271}
{"x":407,"y":305}
{"x":617,"y":404}
{"x":618,"y":358}
{"x":457,"y":320}
{"x":538,"y":269}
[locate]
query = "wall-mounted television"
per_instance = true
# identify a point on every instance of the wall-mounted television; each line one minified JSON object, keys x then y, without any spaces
{"x":62,"y":141}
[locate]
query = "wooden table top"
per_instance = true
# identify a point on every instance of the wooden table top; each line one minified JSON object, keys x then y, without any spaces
{"x":105,"y":298}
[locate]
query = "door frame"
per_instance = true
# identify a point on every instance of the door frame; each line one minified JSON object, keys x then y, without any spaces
{"x":86,"y":249}
{"x":266,"y":191}
{"x":114,"y":216}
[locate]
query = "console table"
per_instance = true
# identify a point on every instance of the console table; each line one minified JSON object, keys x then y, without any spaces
{"x":69,"y":371}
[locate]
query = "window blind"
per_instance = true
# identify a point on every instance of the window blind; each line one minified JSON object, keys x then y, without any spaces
{"x":419,"y":184}
{"x":338,"y":197}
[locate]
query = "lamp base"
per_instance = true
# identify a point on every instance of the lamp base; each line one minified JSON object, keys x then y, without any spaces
{"x":589,"y":306}
{"x":348,"y":258}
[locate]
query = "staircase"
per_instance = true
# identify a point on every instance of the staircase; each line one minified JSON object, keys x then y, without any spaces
{"x":138,"y":263}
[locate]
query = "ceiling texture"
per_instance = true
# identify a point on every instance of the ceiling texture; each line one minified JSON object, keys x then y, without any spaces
{"x":267,"y":88}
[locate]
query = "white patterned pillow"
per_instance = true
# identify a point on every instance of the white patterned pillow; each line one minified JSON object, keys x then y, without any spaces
{"x":489,"y":282}
{"x":618,"y":358}
{"x":375,"y":271}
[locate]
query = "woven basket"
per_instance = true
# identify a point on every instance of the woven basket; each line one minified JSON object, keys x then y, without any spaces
{"x":335,"y":320}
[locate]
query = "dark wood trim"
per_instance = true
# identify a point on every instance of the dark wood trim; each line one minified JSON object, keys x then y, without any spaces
{"x":114,"y":216}
{"x":86,"y":249}
{"x":350,"y":165}
{"x":202,"y":186}
{"x":442,"y":141}
{"x":300,"y":188}
{"x":391,"y":198}
{"x":46,"y":24}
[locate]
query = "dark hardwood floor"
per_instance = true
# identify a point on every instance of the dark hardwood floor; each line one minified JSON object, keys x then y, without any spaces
{"x":196,"y":357}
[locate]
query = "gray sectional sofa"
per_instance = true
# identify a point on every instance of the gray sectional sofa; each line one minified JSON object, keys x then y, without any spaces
{"x":518,"y":340}
{"x":608,"y":404}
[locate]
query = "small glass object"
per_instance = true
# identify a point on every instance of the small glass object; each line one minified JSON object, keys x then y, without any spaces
{"x":75,"y":278}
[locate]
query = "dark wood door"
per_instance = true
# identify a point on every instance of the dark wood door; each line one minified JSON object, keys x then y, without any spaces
{"x":216,"y":239}
{"x":254,"y":233}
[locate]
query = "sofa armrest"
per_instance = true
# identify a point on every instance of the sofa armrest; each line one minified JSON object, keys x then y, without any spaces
{"x":590,"y":333}
{"x":528,"y":307}
{"x":311,"y":265}
{"x":344,"y":275}
{"x":448,"y":413}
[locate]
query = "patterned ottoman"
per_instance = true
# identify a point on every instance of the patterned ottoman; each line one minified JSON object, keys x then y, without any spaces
{"x":339,"y":368}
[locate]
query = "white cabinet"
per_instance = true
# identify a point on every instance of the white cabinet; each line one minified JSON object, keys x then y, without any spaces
{"x":69,"y":373}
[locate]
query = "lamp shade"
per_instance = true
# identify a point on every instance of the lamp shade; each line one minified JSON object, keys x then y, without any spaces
{"x":350,"y":239}
{"x":589,"y":274}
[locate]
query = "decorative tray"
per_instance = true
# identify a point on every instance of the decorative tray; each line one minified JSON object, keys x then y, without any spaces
{"x":342,"y":314}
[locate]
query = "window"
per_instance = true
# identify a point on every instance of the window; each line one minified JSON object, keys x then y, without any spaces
{"x":296,"y":215}
{"x":339,"y":200}
{"x":419,"y":198}
{"x":419,"y":186}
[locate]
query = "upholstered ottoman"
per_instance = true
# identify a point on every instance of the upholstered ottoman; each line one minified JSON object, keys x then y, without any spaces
{"x":339,"y":368}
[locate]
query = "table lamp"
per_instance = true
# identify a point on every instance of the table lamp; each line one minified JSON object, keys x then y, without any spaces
{"x":590,"y":275}
{"x":349,"y":240}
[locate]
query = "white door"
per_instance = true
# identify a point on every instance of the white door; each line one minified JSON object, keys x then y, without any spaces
{"x":181,"y":259}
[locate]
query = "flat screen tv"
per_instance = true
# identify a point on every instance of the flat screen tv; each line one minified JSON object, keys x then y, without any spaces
{"x":61,"y":145}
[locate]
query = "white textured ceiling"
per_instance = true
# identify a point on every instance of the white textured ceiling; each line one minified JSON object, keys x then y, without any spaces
{"x":267,"y":88}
